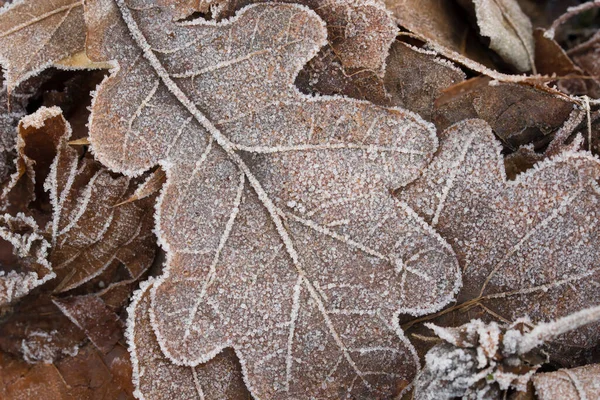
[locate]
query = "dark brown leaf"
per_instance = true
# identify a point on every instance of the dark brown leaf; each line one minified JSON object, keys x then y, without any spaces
{"x":518,"y":114}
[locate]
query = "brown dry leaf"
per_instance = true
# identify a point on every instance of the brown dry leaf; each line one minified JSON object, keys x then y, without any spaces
{"x":508,"y":29}
{"x":586,"y":56}
{"x":95,"y":247}
{"x":360,"y":33}
{"x":440,"y":22}
{"x":23,"y":258}
{"x":88,"y":233}
{"x":156,"y":377}
{"x":569,"y":384}
{"x":37,"y":331}
{"x":102,"y":326}
{"x":414,"y":78}
{"x":35,"y":34}
{"x":277,"y":204}
{"x":88,"y":375}
{"x":38,"y":137}
{"x":519,"y":114}
{"x":526,"y":247}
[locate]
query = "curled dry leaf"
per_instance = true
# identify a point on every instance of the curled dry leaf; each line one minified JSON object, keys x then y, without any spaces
{"x":89,"y":235}
{"x":569,"y":384}
{"x":526,"y":247}
{"x":518,"y":114}
{"x":157,"y":378}
{"x":24,"y":253}
{"x":277,"y":204}
{"x":36,"y":34}
{"x":509,"y":30}
{"x":38,"y":137}
{"x":95,"y":247}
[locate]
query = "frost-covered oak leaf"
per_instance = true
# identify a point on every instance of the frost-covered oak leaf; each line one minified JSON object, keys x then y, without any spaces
{"x":156,"y":377}
{"x":283,"y":239}
{"x":525,"y":247}
{"x":36,"y":34}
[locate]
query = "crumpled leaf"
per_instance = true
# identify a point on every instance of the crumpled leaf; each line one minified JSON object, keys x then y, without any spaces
{"x":509,"y":30}
{"x":276,"y":205}
{"x":569,"y":384}
{"x":35,"y":34}
{"x":88,"y":234}
{"x":23,"y":264}
{"x":156,"y":377}
{"x":38,"y":136}
{"x":518,"y":114}
{"x":98,"y":251}
{"x":526,"y":247}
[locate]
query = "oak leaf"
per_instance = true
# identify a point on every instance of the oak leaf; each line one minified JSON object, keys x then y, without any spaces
{"x":156,"y":377}
{"x":37,"y":34}
{"x":526,"y":247}
{"x":277,"y":204}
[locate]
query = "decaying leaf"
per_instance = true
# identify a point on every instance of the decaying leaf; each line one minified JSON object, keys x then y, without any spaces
{"x":38,"y":137}
{"x":277,"y":204}
{"x":24,"y":252}
{"x":518,"y":114}
{"x":156,"y":377}
{"x":509,"y":30}
{"x":526,"y":247}
{"x":36,"y":34}
{"x":569,"y":384}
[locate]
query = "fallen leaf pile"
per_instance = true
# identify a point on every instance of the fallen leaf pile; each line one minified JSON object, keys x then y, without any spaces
{"x":299,"y":199}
